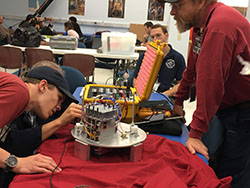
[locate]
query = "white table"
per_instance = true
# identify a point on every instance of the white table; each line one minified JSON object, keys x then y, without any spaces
{"x":93,"y":52}
{"x":88,"y":51}
{"x":140,"y":48}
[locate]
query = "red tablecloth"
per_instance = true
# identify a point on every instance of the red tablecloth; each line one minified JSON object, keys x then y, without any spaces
{"x":165,"y":163}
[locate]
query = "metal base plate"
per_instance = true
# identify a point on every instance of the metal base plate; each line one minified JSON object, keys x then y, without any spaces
{"x":115,"y":141}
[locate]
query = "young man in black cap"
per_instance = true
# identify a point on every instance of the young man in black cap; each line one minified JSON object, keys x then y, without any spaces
{"x":217,"y":66}
{"x":43,"y":91}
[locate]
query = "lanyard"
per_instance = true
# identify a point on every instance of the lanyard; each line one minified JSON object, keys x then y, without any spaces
{"x":198,"y":41}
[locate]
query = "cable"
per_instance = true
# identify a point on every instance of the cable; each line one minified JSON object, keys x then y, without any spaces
{"x":106,"y":82}
{"x":64,"y":147}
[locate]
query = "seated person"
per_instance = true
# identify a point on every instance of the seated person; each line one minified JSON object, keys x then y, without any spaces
{"x":27,"y":21}
{"x":36,"y":24}
{"x":76,"y":26}
{"x":172,"y":67}
{"x":46,"y":30}
{"x":69,"y":29}
{"x":43,"y":90}
{"x":4,"y":33}
{"x":147,"y":38}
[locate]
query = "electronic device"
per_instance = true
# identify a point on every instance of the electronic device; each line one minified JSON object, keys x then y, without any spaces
{"x":105,"y":106}
{"x":10,"y":162}
{"x":63,"y":42}
{"x":143,"y":87}
{"x":102,"y":131}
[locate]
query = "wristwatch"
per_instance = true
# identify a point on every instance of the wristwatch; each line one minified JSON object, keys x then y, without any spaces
{"x":10,"y":162}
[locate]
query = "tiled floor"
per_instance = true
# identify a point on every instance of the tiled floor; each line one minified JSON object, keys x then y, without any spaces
{"x":105,"y":76}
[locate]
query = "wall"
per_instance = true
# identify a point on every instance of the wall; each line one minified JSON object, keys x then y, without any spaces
{"x":95,"y":18}
{"x":248,"y":12}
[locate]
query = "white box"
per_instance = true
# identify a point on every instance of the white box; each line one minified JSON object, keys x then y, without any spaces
{"x":118,"y":43}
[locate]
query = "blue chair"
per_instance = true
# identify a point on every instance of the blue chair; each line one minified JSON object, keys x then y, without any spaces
{"x":74,"y":78}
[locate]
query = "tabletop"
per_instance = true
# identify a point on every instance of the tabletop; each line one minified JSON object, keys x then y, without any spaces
{"x":164,"y":163}
{"x":88,"y":51}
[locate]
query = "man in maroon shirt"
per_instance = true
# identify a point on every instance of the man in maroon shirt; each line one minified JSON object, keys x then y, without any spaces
{"x":218,"y":68}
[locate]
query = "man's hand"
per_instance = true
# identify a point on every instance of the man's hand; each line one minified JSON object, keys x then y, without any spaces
{"x":178,"y":110}
{"x":36,"y":164}
{"x":73,"y":111}
{"x":195,"y":145}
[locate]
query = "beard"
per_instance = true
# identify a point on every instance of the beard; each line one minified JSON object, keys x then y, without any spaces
{"x":182,"y":25}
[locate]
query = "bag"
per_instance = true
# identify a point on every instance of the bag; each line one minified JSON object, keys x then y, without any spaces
{"x":26,"y":37}
{"x":158,"y":125}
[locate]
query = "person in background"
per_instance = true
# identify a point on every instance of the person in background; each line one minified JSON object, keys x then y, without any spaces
{"x":76,"y":26}
{"x":69,"y":28}
{"x":36,"y":24}
{"x":42,"y":91}
{"x":46,"y":30}
{"x":147,"y":37}
{"x":4,"y":33}
{"x":173,"y":64}
{"x":26,"y":22}
{"x":216,"y":70}
{"x":81,"y":40}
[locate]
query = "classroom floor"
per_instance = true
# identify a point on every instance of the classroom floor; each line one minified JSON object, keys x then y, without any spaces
{"x":105,"y":76}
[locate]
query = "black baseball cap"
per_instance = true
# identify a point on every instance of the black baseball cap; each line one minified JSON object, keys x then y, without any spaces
{"x":54,"y":78}
{"x":167,"y":1}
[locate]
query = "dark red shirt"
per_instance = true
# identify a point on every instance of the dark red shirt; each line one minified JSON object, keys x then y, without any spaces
{"x":14,"y":97}
{"x":216,"y":69}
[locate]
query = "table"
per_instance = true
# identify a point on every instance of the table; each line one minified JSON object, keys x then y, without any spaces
{"x":140,"y":48}
{"x":88,"y":51}
{"x":156,"y":97}
{"x":117,"y":57}
{"x":165,"y":163}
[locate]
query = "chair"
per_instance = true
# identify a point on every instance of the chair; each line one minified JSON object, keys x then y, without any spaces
{"x":82,"y":62}
{"x":74,"y":78}
{"x":96,"y":42}
{"x":106,"y":63}
{"x":34,"y":55}
{"x":11,"y":58}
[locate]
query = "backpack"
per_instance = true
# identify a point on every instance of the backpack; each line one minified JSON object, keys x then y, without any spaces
{"x":26,"y":37}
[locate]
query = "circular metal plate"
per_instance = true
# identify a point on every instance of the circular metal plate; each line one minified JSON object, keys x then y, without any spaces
{"x":115,"y":141}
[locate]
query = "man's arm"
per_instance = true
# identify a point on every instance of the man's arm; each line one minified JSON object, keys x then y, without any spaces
{"x":12,"y":90}
{"x":32,"y":164}
{"x":171,"y":92}
{"x":72,"y":112}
